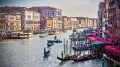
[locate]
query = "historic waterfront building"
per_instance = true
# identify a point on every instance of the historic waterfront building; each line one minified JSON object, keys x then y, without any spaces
{"x":74,"y":22}
{"x":30,"y":21}
{"x":112,"y":17}
{"x":2,"y":21}
{"x":11,"y":19}
{"x":66,"y":22}
{"x":49,"y":23}
{"x":54,"y":26}
{"x":18,"y":21}
{"x":36,"y":21}
{"x":101,"y":22}
{"x":47,"y":11}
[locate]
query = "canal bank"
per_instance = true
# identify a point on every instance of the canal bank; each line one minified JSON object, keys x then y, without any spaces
{"x":29,"y":53}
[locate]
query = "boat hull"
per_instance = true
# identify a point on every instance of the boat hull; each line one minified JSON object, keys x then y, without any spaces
{"x":84,"y":57}
{"x":63,"y":58}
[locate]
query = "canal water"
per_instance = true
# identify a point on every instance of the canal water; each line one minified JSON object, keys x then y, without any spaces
{"x":29,"y":53}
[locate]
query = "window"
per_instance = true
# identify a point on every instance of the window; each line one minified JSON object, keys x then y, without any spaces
{"x":59,"y":12}
{"x":59,"y":18}
{"x":11,"y":17}
{"x":29,"y":17}
{"x":118,"y":6}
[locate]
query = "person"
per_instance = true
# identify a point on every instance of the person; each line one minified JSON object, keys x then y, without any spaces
{"x":62,"y":53}
{"x":55,"y":37}
{"x":44,"y":49}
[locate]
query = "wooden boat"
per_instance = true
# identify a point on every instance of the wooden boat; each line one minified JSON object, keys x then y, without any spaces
{"x":66,"y":57}
{"x":52,"y":32}
{"x":63,"y":58}
{"x":41,"y":36}
{"x":84,"y":57}
{"x":57,"y":32}
{"x":46,"y":52}
{"x":64,"y":31}
{"x":50,"y":44}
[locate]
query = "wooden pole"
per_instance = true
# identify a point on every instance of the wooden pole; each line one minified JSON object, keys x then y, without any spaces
{"x":64,"y":47}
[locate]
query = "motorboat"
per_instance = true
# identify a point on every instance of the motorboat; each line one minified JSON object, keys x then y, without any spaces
{"x":55,"y":41}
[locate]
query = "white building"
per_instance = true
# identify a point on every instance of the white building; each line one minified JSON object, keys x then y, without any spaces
{"x":74,"y":22}
{"x":30,"y":21}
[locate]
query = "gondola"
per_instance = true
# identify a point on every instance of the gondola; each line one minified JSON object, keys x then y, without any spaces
{"x":63,"y":58}
{"x":84,"y":57}
{"x":46,"y":52}
{"x":41,"y":36}
{"x":50,"y":43}
{"x":66,"y":57}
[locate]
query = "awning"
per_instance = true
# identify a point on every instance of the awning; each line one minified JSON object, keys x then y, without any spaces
{"x":96,"y":43}
{"x":6,"y":31}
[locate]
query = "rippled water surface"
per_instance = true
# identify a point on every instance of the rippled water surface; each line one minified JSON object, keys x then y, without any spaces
{"x":29,"y":53}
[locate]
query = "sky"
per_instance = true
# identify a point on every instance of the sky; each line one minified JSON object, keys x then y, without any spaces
{"x":71,"y":8}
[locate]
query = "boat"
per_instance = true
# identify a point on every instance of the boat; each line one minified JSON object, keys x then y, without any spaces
{"x":84,"y":57}
{"x":57,"y":32}
{"x":41,"y":36}
{"x":58,"y":41}
{"x":52,"y":32}
{"x":50,"y":44}
{"x":64,"y":31}
{"x":51,"y":41}
{"x":25,"y":35}
{"x":46,"y":52}
{"x":55,"y":41}
{"x":65,"y":58}
{"x":80,"y":47}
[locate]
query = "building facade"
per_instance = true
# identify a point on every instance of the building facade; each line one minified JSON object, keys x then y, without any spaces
{"x":49,"y":23}
{"x":47,"y":11}
{"x":112,"y":15}
{"x":31,"y":21}
{"x":18,"y":21}
{"x":3,"y":23}
{"x":11,"y":22}
{"x":101,"y":22}
{"x":74,"y":22}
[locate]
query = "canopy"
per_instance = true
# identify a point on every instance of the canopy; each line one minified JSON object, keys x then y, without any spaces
{"x":113,"y":39}
{"x":6,"y":31}
{"x":113,"y":49}
{"x":96,"y":43}
{"x":91,"y":34}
